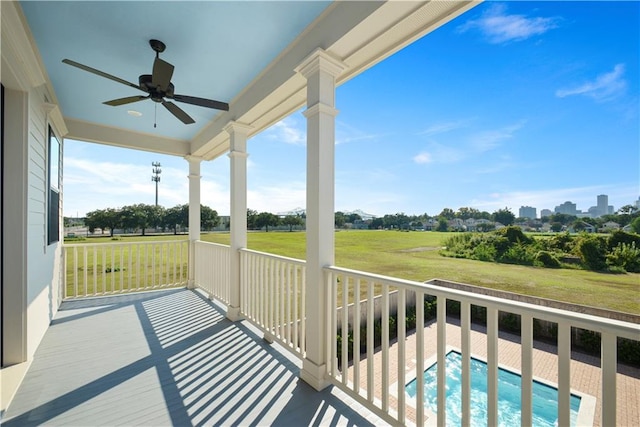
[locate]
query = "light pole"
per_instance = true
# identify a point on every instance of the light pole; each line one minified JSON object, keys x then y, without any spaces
{"x":156,"y":176}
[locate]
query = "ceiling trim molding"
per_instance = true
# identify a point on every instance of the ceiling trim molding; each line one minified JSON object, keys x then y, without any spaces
{"x":55,"y":118}
{"x":17,"y":47}
{"x":125,"y":138}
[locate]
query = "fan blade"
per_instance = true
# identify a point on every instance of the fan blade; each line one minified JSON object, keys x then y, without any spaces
{"x":202,"y":102}
{"x":162,"y":73}
{"x":127,"y":100}
{"x":102,"y":74}
{"x":178,"y":112}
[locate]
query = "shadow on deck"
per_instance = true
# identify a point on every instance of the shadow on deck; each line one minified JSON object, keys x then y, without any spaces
{"x":167,"y":358}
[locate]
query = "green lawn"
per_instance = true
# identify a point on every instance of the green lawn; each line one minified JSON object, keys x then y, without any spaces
{"x":414,"y":256}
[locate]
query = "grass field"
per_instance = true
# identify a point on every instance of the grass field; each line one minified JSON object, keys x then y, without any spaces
{"x":414,"y":256}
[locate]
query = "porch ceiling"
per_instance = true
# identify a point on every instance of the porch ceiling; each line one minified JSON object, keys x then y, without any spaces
{"x":243,"y":53}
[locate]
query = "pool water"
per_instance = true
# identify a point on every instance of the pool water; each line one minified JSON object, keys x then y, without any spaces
{"x":545,"y":398}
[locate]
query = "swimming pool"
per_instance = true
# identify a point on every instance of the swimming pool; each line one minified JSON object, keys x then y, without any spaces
{"x":545,"y":397}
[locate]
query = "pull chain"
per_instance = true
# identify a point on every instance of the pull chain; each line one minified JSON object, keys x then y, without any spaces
{"x":155,"y":114}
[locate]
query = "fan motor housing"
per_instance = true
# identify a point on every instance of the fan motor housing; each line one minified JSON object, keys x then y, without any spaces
{"x":145,"y":82}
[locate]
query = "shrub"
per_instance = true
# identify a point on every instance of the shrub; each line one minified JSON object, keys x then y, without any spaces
{"x":591,"y":250}
{"x":484,"y":252}
{"x":619,"y":236}
{"x":513,"y":234}
{"x":510,"y":322}
{"x":517,"y":254}
{"x":546,"y":259}
{"x":625,"y":256}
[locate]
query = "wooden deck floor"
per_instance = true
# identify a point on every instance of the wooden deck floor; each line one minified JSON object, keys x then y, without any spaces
{"x":167,"y":358}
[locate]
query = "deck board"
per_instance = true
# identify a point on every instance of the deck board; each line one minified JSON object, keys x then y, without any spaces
{"x":167,"y":358}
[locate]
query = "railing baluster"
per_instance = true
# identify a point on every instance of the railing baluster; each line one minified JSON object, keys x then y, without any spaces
{"x":356,"y":336}
{"x":332,"y":304}
{"x":296,"y":319}
{"x":526,"y":367}
{"x":282,"y":302}
{"x":492,"y":366}
{"x":370,"y":340}
{"x":402,"y":320}
{"x":113,"y":269}
{"x":345,"y":329}
{"x":420,"y":358}
{"x":95,"y":270}
{"x":564,"y":373}
{"x":85,"y":268}
{"x":104,"y":270}
{"x":303,"y":313}
{"x":608,"y":359}
{"x":385,"y":348}
{"x":121,"y":267}
{"x":75,"y":271}
{"x":441,"y":415}
{"x":288,"y":299}
{"x":465,"y":333}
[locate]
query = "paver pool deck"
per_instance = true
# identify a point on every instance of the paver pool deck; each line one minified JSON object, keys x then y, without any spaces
{"x":585,"y":369}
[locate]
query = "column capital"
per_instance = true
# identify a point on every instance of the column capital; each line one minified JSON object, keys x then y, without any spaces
{"x":320,"y":108}
{"x":237,"y":127}
{"x":235,"y":153}
{"x":321,"y":60}
{"x":189,"y":158}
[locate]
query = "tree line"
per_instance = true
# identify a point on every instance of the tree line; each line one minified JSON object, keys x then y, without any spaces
{"x":142,"y":217}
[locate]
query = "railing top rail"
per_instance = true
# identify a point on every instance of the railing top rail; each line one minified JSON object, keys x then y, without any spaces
{"x":581,"y":320}
{"x":219,"y":245}
{"x":153,"y":242}
{"x":273,"y":256}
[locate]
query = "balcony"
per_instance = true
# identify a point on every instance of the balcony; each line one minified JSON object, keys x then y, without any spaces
{"x":171,"y":357}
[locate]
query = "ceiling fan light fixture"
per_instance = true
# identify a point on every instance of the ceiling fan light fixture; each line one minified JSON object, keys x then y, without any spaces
{"x":134,"y":113}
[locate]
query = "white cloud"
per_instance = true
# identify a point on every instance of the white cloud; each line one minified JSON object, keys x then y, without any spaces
{"x":499,"y":27}
{"x":492,"y":139}
{"x":346,"y":133}
{"x":422,"y":158}
{"x":280,"y":198}
{"x":603,"y":88}
{"x":444,"y":127}
{"x":289,"y":131}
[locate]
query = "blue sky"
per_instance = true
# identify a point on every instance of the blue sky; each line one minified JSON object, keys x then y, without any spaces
{"x":511,"y":104}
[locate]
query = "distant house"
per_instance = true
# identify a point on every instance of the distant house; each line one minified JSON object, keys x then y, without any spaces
{"x":610,"y":226}
{"x":582,"y":226}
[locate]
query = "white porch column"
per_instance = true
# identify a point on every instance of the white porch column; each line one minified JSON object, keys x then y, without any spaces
{"x":194,"y":213}
{"x":320,"y":70}
{"x":238,"y":133}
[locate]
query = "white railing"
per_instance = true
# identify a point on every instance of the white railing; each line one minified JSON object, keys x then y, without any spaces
{"x":110,"y":268}
{"x":374,"y":386}
{"x":212,"y":269}
{"x":273,"y":297}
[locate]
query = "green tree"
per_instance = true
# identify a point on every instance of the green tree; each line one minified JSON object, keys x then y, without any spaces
{"x":447,"y":213}
{"x":376,"y":223}
{"x":292,"y":221}
{"x":443,"y":225}
{"x":208,"y":218}
{"x":339,"y":219}
{"x":635,"y":225}
{"x":504,"y":216}
{"x":177,"y":216}
{"x":251,"y":219}
{"x":266,"y":219}
{"x":556,"y":226}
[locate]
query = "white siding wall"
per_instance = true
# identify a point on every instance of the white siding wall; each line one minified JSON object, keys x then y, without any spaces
{"x":43,"y":269}
{"x":31,"y":270}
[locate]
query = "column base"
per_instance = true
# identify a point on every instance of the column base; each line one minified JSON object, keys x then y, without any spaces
{"x":314,"y":375}
{"x":233,"y":314}
{"x":191,"y":284}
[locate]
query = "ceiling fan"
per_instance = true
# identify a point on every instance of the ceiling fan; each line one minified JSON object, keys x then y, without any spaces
{"x":157,"y":86}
